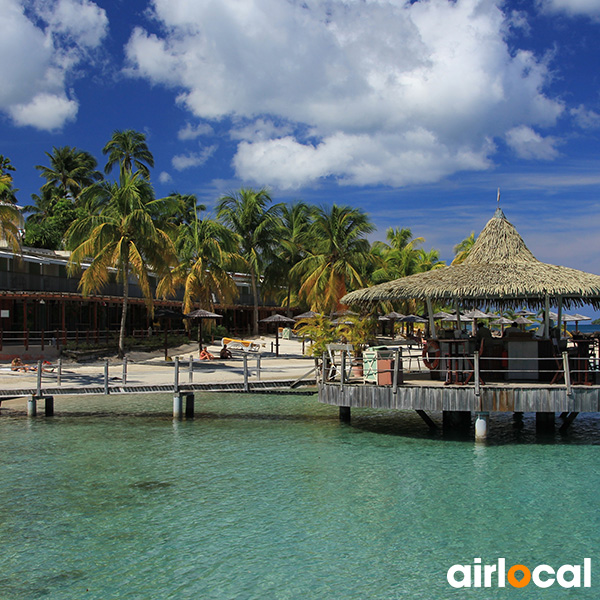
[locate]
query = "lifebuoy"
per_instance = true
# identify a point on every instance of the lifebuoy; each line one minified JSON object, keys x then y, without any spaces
{"x":431,"y":349}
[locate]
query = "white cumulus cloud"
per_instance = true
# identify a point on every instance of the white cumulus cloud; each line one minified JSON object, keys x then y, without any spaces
{"x":191,"y":132}
{"x":45,"y":40}
{"x":590,"y":8}
{"x":531,"y":145}
{"x":192,"y":159}
{"x":383,"y":91}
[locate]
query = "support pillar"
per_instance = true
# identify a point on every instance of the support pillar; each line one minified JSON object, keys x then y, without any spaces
{"x":518,"y":420}
{"x":177,"y":405}
{"x":31,"y":406}
{"x":544,"y":422}
{"x":456,"y":421}
{"x":481,"y":426}
{"x":49,"y":406}
{"x":345,"y":415}
{"x":189,"y":406}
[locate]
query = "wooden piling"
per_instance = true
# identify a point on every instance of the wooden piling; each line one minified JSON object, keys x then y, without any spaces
{"x":345,"y":414}
{"x":189,"y":405}
{"x":49,"y":406}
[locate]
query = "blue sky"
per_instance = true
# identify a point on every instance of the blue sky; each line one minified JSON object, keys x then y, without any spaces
{"x":415,"y":112}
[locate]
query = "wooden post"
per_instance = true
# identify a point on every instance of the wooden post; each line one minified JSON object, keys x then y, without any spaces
{"x":189,"y":405}
{"x":39,"y":379}
{"x":432,"y":331}
{"x":258,"y":367}
{"x":106,"y":390}
{"x":246,"y":383}
{"x":176,"y":376}
{"x":476,"y":373}
{"x":191,"y":369}
{"x":345,"y":414}
{"x":397,"y":355}
{"x":565,"y":358}
{"x":59,"y":372}
{"x":49,"y":406}
{"x":343,"y":373}
{"x":546,"y":317}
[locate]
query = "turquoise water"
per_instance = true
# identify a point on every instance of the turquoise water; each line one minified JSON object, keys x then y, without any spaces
{"x":271,"y":497}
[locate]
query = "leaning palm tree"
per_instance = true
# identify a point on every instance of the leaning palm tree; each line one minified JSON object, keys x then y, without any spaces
{"x":120,"y":232}
{"x":339,"y":251}
{"x":11,"y":220}
{"x":128,"y":149}
{"x":205,"y":253}
{"x":254,"y":225}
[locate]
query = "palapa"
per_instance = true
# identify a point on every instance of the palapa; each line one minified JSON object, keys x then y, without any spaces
{"x":500,"y":269}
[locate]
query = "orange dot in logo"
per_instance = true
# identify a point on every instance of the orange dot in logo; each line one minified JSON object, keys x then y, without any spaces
{"x":518,"y":583}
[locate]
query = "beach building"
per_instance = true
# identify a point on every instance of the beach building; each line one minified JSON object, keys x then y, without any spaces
{"x":470,"y":375}
{"x":41,"y":305}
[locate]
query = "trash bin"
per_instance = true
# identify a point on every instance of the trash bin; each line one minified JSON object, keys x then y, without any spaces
{"x":378,"y":365}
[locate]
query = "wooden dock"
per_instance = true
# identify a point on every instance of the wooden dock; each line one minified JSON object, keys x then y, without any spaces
{"x":435,"y":396}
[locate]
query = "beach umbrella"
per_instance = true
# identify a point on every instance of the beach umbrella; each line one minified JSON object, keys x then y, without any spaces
{"x":523,"y":321}
{"x":577,"y":317}
{"x":201,"y":314}
{"x":502,"y":321}
{"x":476,"y":314}
{"x":525,"y":313}
{"x":276,"y":318}
{"x":311,"y":314}
{"x":344,"y":313}
{"x":441,"y":315}
{"x":167,"y":314}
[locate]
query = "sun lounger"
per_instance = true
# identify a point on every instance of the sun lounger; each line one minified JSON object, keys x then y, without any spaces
{"x":245,"y":345}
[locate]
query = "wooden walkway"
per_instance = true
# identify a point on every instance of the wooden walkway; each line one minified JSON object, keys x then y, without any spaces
{"x":278,"y":386}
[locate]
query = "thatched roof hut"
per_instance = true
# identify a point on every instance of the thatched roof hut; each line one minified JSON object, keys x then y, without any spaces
{"x":499,"y":270}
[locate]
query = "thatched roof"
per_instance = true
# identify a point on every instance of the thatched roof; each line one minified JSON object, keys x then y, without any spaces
{"x":500,"y":269}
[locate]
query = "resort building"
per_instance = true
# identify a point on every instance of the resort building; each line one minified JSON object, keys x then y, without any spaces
{"x":41,"y":304}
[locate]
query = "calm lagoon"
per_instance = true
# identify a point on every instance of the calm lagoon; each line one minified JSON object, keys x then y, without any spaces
{"x":271,"y":497}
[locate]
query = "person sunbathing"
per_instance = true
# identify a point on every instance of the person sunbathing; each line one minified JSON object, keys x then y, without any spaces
{"x":205,"y":355}
{"x":18,"y":365}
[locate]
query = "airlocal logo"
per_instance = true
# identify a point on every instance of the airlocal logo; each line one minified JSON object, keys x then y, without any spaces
{"x":519,"y":576}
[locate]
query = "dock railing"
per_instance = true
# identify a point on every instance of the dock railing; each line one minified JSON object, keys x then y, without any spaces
{"x":566,"y":368}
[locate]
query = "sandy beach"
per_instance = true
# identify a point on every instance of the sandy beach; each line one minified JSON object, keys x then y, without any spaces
{"x":150,"y":369}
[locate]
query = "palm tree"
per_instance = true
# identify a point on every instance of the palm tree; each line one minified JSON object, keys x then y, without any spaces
{"x":11,"y":220}
{"x":120,"y":232}
{"x":462,"y":249}
{"x":8,"y":193}
{"x":246,"y":214}
{"x":429,"y":260}
{"x":293,"y":236}
{"x":204,"y":250}
{"x":398,"y":258}
{"x":127,"y":149}
{"x":339,"y":251}
{"x":70,"y":171}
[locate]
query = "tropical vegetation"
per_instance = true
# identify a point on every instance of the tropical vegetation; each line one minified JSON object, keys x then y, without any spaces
{"x":300,"y":255}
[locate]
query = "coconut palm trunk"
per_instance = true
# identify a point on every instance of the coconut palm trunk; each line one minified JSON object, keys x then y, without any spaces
{"x":255,"y":296}
{"x":124,"y":313}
